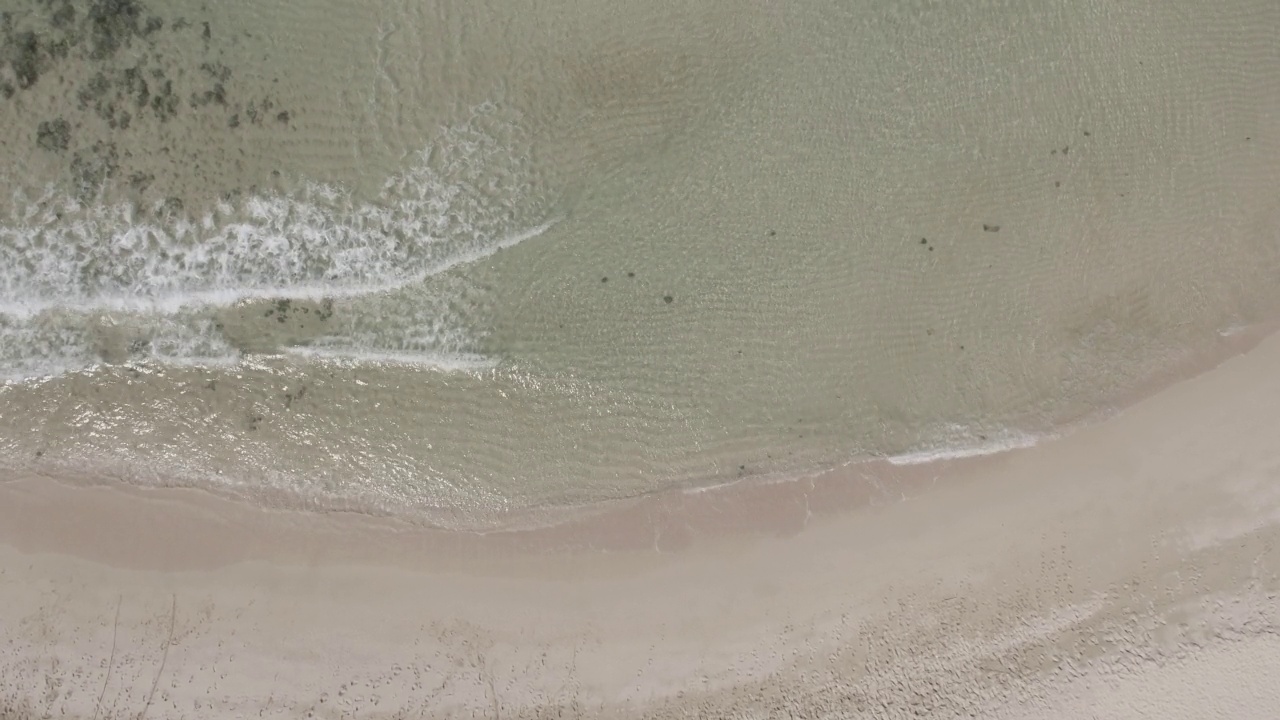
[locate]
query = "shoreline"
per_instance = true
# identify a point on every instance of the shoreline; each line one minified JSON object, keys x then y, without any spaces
{"x":773,"y":246}
{"x":1004,"y":585}
{"x":667,"y":520}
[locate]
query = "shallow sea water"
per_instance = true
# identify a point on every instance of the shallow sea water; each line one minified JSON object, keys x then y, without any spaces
{"x":456,"y":260}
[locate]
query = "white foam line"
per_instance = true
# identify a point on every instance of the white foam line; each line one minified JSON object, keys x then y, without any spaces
{"x":174,"y":303}
{"x":1015,"y":442}
{"x":230,"y":360}
{"x":53,"y":370}
{"x":477,"y":255}
{"x":460,"y":362}
{"x":443,"y":362}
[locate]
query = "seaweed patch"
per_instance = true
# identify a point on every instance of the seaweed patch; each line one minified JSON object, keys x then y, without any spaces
{"x":131,"y":91}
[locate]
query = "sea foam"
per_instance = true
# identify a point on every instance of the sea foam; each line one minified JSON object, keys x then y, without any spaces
{"x":67,"y":267}
{"x":959,"y":442}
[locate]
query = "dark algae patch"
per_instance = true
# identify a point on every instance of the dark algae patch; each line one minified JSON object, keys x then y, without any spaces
{"x":63,"y":16}
{"x":112,"y":25}
{"x":140,"y":181}
{"x":54,"y":135}
{"x":113,"y":58}
{"x":25,"y":57}
{"x":280,"y":310}
{"x":217,"y":71}
{"x":267,"y":326}
{"x":171,"y":206}
{"x":91,"y":167}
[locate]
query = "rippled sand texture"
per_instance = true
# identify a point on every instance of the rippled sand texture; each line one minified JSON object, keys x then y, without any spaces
{"x":465,"y":259}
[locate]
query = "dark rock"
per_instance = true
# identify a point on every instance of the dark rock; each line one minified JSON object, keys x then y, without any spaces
{"x":991,"y":228}
{"x":667,"y":299}
{"x":54,"y":135}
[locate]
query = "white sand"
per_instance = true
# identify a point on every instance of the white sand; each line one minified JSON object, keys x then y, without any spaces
{"x":1131,"y":569}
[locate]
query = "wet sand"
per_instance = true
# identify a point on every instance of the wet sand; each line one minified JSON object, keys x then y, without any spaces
{"x":1129,"y":568}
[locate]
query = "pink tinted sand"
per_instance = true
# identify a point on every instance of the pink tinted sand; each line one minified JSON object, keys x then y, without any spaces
{"x":1136,"y":547}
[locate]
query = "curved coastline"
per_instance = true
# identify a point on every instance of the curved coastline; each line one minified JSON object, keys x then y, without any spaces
{"x":1001,"y":584}
{"x":323,"y":416}
{"x":737,"y":504}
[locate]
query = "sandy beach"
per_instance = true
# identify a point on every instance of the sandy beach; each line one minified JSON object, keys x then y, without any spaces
{"x":663,"y":360}
{"x":1127,"y":569}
